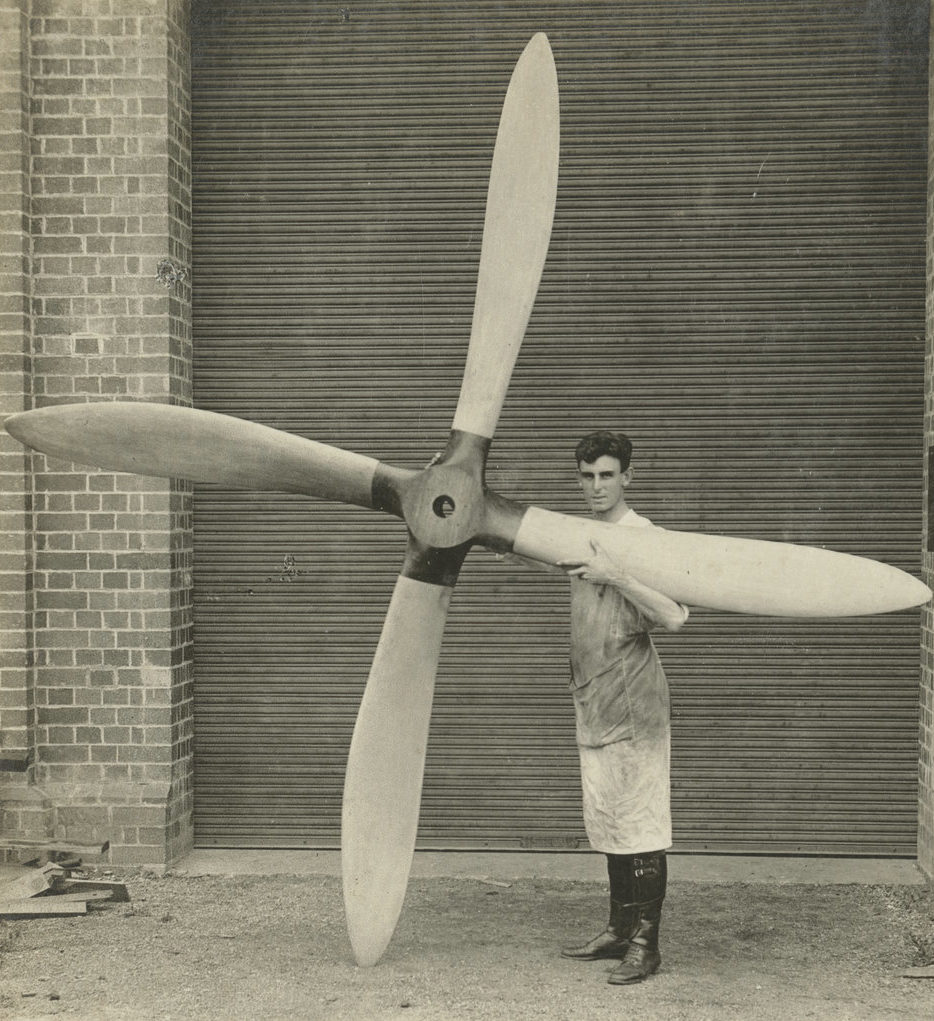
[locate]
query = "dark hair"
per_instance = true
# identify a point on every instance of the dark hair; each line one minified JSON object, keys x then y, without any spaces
{"x":604,"y":443}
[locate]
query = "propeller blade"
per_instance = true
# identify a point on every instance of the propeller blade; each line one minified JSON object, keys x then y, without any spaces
{"x":723,"y":573}
{"x":173,"y":442}
{"x":383,"y":783}
{"x":516,"y":231}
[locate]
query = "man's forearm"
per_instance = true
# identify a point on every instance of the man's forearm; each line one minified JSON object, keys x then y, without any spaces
{"x":520,"y":561}
{"x":655,"y":605}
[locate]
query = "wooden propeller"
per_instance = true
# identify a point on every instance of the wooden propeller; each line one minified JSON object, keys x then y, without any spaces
{"x":447,"y":509}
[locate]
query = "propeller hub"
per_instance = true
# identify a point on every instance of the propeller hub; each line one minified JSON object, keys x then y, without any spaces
{"x":443,"y":506}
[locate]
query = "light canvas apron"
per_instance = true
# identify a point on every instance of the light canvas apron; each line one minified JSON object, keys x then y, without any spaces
{"x":622,"y":712}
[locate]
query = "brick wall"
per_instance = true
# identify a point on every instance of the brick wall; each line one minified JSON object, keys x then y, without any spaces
{"x":926,"y":757}
{"x":98,"y":677}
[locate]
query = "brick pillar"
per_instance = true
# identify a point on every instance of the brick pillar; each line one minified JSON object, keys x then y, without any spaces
{"x":926,"y":744}
{"x":109,"y":608}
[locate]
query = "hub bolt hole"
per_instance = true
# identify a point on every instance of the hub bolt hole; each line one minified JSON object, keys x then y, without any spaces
{"x":443,"y":506}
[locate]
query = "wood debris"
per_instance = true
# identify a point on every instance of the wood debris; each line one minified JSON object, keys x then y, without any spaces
{"x":51,"y":850}
{"x":51,"y":889}
{"x":924,"y":971}
{"x":32,"y":883}
{"x":118,"y":891}
{"x":40,"y":907}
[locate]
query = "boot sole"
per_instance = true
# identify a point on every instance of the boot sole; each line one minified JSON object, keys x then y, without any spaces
{"x":635,"y":979}
{"x":615,"y":956}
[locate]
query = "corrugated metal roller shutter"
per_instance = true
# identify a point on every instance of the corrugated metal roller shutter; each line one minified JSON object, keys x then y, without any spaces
{"x":736,"y":278}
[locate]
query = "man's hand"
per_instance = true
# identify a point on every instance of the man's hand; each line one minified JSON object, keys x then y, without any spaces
{"x":600,"y":569}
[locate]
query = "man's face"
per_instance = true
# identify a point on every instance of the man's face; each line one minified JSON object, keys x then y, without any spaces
{"x":603,"y":482}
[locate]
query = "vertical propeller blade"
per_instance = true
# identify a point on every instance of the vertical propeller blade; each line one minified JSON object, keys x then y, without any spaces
{"x":383,"y":784}
{"x":516,"y":231}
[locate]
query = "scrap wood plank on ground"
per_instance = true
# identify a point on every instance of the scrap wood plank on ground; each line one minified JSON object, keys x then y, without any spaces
{"x":52,"y":890}
{"x":118,"y":891}
{"x":923,"y":971}
{"x":77,"y":898}
{"x":39,"y":907}
{"x":32,"y":883}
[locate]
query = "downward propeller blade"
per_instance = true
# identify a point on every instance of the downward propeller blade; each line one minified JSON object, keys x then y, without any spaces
{"x":173,"y":442}
{"x":724,"y":573}
{"x":516,"y":231}
{"x":383,"y":784}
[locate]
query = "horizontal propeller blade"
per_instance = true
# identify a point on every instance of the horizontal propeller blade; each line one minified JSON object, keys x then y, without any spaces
{"x":519,"y":213}
{"x":723,"y":573}
{"x":173,"y":442}
{"x":383,"y":783}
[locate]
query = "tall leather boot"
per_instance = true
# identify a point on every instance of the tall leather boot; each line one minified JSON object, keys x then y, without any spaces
{"x":613,"y":942}
{"x":641,"y":958}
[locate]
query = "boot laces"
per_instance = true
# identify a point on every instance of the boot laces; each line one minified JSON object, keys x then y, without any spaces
{"x":636,"y":954}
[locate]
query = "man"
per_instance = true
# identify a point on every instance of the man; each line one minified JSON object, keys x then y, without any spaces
{"x":623,"y":720}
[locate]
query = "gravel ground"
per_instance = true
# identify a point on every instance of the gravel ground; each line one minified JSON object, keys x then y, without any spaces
{"x":275,"y":947}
